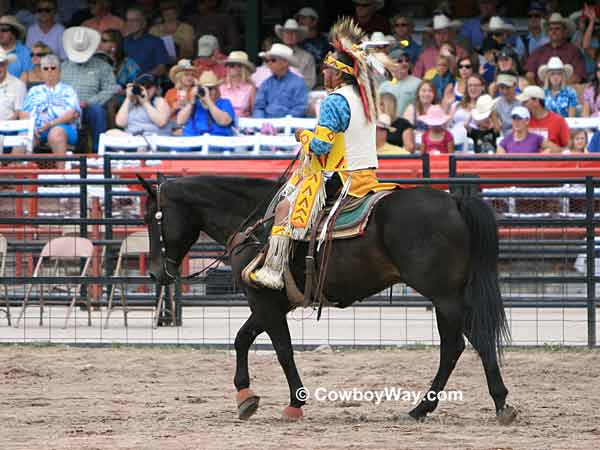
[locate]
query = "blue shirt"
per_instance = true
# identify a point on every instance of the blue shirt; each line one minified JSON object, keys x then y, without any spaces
{"x":23,"y":62}
{"x":440,"y":84}
{"x":562,"y":101}
{"x":46,"y":104}
{"x":413,"y":50}
{"x":334,"y":114}
{"x":147,"y":51}
{"x":279,"y":97}
{"x":316,"y":46}
{"x":594,"y":145}
{"x":200,"y":122}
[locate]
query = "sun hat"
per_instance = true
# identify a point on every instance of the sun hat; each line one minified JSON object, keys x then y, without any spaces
{"x":209,"y":79}
{"x":80,"y":43}
{"x":435,"y":116}
{"x":530,"y":92}
{"x":506,"y":79}
{"x":558,"y":18}
{"x":207,"y":44}
{"x":7,"y":57}
{"x":555,"y":63}
{"x":497,"y":24}
{"x":521,"y":112}
{"x":278,"y":50}
{"x":12,"y":22}
{"x":307,"y":12}
{"x":483,"y":107}
{"x":384,"y":121}
{"x":240,"y":57}
{"x":181,"y":66}
{"x":291,"y":25}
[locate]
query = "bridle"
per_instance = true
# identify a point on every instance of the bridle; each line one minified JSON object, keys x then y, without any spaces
{"x":158,"y":216}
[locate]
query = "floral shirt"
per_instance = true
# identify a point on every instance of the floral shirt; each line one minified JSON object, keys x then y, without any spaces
{"x":46,"y":104}
{"x":593,"y":100}
{"x":562,"y":101}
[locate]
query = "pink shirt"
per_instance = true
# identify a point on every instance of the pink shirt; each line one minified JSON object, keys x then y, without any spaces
{"x":240,"y":97}
{"x":428,"y":58}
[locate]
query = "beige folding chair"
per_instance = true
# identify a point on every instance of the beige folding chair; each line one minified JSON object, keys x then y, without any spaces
{"x":136,"y":244}
{"x":3,"y":247}
{"x":62,"y":250}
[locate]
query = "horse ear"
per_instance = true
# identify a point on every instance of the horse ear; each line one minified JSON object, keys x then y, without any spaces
{"x":160,"y":178}
{"x":149,"y":188}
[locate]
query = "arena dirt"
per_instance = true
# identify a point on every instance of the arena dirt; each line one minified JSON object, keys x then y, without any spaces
{"x":181,"y":398}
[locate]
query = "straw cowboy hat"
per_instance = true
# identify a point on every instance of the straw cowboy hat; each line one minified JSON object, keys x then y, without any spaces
{"x":278,"y":50}
{"x":181,"y":66}
{"x":497,"y":24}
{"x":7,"y":57}
{"x":12,"y":22}
{"x":442,"y":22}
{"x":291,"y":25}
{"x":209,"y":79}
{"x":435,"y":117}
{"x":555,"y":63}
{"x":384,"y":121}
{"x":483,"y":107}
{"x":558,"y":18}
{"x":240,"y":57}
{"x":80,"y":43}
{"x":530,"y":92}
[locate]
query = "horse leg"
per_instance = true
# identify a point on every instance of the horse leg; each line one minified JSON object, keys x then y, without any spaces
{"x":247,"y":401}
{"x":452,"y":345}
{"x":496,"y":387}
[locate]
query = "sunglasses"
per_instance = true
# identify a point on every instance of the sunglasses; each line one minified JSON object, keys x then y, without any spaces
{"x":401,"y":24}
{"x":465,"y":66}
{"x":39,"y":55}
{"x":6,"y":30}
{"x":270,"y":60}
{"x":517,"y":118}
{"x":45,"y":10}
{"x":404,"y":60}
{"x":47,"y":68}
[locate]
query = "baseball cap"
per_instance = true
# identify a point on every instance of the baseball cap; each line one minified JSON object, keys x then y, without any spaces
{"x":531,"y":92}
{"x":521,"y":112}
{"x":207,"y":44}
{"x":506,"y":79}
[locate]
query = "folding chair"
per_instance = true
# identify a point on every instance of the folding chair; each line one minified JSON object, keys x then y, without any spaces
{"x":136,"y":244}
{"x":62,"y":249}
{"x":3,"y":247}
{"x":11,"y":134}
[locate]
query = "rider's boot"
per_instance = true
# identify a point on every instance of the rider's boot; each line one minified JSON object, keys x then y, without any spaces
{"x":270,"y":275}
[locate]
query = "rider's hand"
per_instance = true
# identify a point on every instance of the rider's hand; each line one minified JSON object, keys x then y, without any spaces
{"x":298,"y":132}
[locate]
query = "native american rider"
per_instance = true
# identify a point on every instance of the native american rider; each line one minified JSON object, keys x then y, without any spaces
{"x":339,"y":156}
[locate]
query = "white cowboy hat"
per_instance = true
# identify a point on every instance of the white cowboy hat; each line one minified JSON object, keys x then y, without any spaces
{"x":182,"y":65}
{"x":558,"y":18}
{"x":291,"y":25}
{"x":278,"y":50}
{"x":80,"y":43}
{"x":555,"y":63}
{"x":497,"y":24}
{"x":240,"y":57}
{"x":483,"y":107}
{"x":443,"y":22}
{"x":7,"y":57}
{"x":384,"y":121}
{"x":12,"y":21}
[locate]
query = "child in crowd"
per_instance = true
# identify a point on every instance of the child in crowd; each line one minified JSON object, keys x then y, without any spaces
{"x":444,"y":79}
{"x":484,"y":136}
{"x":437,"y":139}
{"x":578,"y":142}
{"x":489,"y":49}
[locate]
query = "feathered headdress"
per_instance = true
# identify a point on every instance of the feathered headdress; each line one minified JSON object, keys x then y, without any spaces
{"x":347,"y":38}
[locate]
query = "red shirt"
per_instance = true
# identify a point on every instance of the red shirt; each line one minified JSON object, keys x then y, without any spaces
{"x":552,"y":127}
{"x":440,"y":146}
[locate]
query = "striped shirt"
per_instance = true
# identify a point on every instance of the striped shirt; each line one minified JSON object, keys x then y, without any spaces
{"x":94,"y":80}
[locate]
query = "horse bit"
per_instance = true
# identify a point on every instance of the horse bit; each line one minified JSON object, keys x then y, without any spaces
{"x":163,"y":249}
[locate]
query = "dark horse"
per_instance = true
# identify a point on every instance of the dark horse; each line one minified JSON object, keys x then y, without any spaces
{"x":443,"y":246}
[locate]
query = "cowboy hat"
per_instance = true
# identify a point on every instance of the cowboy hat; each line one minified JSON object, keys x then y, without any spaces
{"x":506,"y":79}
{"x":240,"y":57}
{"x":483,"y":107}
{"x":291,"y":25}
{"x":497,"y":24}
{"x":558,"y":18}
{"x":443,"y":22}
{"x":182,"y":65}
{"x":378,"y":39}
{"x":307,"y":12}
{"x":7,"y":57}
{"x":80,"y":43}
{"x":530,"y":92}
{"x":12,"y":22}
{"x":555,"y":63}
{"x":278,"y":50}
{"x":208,"y":79}
{"x":435,"y":116}
{"x":384,"y":121}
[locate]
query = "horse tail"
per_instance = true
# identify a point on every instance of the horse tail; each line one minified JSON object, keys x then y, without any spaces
{"x":486,"y":324}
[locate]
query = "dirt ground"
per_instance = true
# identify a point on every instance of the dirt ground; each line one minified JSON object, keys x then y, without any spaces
{"x":182,"y":398}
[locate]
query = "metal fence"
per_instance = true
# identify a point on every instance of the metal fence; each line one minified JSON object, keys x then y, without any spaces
{"x":547,"y":264}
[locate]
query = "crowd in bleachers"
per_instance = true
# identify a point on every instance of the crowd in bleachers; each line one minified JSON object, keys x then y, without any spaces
{"x":476,"y":85}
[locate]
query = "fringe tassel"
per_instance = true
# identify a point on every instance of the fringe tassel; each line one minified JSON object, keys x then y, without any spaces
{"x":336,"y":205}
{"x":270,"y":275}
{"x":299,"y":233}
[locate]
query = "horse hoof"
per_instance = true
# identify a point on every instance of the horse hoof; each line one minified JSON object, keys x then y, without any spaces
{"x":292,"y":414}
{"x":506,"y":415}
{"x":247,"y":403}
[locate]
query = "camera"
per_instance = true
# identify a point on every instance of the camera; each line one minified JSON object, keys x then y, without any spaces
{"x":136,"y":90}
{"x":201,"y":92}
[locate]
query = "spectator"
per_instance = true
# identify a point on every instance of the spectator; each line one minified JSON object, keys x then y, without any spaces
{"x":559,"y":28}
{"x":436,"y":139}
{"x":591,"y":95}
{"x":404,"y":86}
{"x":237,"y":87}
{"x":521,"y":140}
{"x":465,"y":67}
{"x":291,"y":34}
{"x":507,"y":87}
{"x":428,"y":59}
{"x":425,"y":98}
{"x":11,"y":35}
{"x":384,"y":127}
{"x":209,"y":20}
{"x":181,"y":32}
{"x":594,"y":145}
{"x":209,"y":113}
{"x":536,"y":36}
{"x":125,"y":69}
{"x":23,"y":11}
{"x":507,"y":61}
{"x":210,"y":57}
{"x":33,"y":77}
{"x":55,"y":108}
{"x":402,"y":135}
{"x":380,"y":43}
{"x":315,"y":42}
{"x":448,"y":50}
{"x":366,"y":15}
{"x":263,"y":71}
{"x":183,"y":77}
{"x":146,"y":50}
{"x":460,"y":112}
{"x":12,"y":90}
{"x":444,"y":78}
{"x":549,"y":125}
{"x":490,"y":50}
{"x":46,"y":30}
{"x":149,"y":10}
{"x":472,"y":28}
{"x":102,"y":19}
{"x":91,"y":77}
{"x":283,"y":93}
{"x":142,"y":111}
{"x":578,"y":142}
{"x":69,"y":10}
{"x":402,"y":29}
{"x":501,"y":32}
{"x":560,"y":98}
{"x":483,"y":133}
{"x":584,"y":38}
